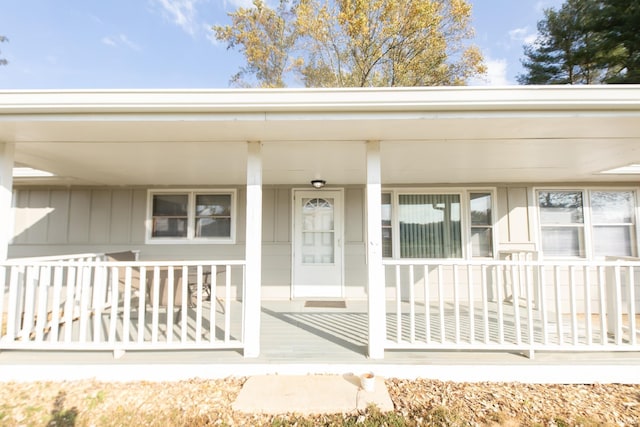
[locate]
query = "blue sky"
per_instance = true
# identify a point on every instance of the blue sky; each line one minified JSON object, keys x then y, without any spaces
{"x":84,"y":44}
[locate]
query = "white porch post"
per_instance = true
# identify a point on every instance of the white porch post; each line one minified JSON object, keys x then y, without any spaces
{"x":6,"y":187}
{"x":253,"y":251}
{"x":375,"y":270}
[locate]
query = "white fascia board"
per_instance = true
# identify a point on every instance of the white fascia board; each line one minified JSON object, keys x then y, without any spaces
{"x":301,"y":101}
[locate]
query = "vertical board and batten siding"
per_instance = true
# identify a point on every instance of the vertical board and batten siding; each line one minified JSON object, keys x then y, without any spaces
{"x":52,"y":221}
{"x":514,"y":218}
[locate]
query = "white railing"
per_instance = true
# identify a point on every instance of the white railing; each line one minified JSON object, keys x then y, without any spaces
{"x":119,"y":306}
{"x":522,"y":305}
{"x":85,"y":257}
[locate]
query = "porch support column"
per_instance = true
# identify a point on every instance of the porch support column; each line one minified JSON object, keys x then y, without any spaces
{"x":375,"y":270}
{"x":6,"y":188}
{"x":253,"y":251}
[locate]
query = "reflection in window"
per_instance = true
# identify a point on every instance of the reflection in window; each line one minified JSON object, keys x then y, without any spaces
{"x":481,"y":225}
{"x":318,"y":235}
{"x":213,"y":215}
{"x":169,"y":216}
{"x":387,"y":226}
{"x":191,"y":215}
{"x":562,"y":223}
{"x":430,"y":226}
{"x":613,"y":223}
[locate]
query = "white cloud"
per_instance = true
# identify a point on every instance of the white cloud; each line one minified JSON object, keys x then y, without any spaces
{"x":238,"y":3}
{"x":496,"y":74}
{"x":109,"y":41}
{"x":519,"y":34}
{"x":120,"y":40}
{"x":182,"y":13}
{"x":128,"y":43}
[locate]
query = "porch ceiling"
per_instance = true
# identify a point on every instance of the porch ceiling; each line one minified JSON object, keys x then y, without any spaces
{"x":454,"y":146}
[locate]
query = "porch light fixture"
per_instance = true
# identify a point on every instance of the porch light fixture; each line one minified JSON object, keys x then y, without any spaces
{"x":318,"y":183}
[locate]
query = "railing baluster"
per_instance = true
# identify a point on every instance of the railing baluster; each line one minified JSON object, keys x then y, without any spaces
{"x":515,"y":295}
{"x":500,"y":275}
{"x":29,"y":304}
{"x":3,"y":283}
{"x":587,"y":304}
{"x":99,"y":296}
{"x":632,"y":307}
{"x":530,"y":295}
{"x":70,"y":302}
{"x":142,"y":305}
{"x":170,"y":303}
{"x":572,"y":298}
{"x":543,"y":303}
{"x":14,"y":305}
{"x":227,"y":304}
{"x":618,"y":304}
{"x":556,"y":287}
{"x":212,"y":308}
{"x":602,"y":307}
{"x":199,"y":303}
{"x":472,"y":325}
{"x":126,"y":303}
{"x":412,"y":307}
{"x":398,"y":306}
{"x":58,"y":273}
{"x":456,"y":305}
{"x":155,"y":313}
{"x":427,"y":306}
{"x":43,"y":282}
{"x":113,"y":318}
{"x":485,"y":302}
{"x":183,"y":312}
{"x":441,"y":304}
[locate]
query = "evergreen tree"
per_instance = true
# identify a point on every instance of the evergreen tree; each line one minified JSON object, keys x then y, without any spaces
{"x":586,"y":42}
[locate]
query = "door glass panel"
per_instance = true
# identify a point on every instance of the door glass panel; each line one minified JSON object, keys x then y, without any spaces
{"x":318,"y":235}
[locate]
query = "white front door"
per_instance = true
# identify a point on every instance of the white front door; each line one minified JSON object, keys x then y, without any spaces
{"x":317,"y":244}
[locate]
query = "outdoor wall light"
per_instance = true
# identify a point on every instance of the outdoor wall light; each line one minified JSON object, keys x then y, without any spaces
{"x":318,"y":183}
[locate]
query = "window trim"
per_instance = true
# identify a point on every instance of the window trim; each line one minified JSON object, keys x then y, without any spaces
{"x":588,"y":224}
{"x":465,"y":217}
{"x":191,"y":217}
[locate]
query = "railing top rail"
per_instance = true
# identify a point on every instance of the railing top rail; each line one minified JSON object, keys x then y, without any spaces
{"x":26,"y":262}
{"x":64,"y":257}
{"x":488,"y":262}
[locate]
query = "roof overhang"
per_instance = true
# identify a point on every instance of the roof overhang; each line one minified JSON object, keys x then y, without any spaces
{"x":429,"y":135}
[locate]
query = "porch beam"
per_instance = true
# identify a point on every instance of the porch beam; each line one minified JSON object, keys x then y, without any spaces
{"x":253,"y":251}
{"x":375,"y":270}
{"x":6,"y":188}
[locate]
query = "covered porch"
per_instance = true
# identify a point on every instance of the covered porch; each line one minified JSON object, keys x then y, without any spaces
{"x":278,"y":141}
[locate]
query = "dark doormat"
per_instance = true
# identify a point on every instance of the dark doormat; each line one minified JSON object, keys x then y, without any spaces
{"x":325,"y":304}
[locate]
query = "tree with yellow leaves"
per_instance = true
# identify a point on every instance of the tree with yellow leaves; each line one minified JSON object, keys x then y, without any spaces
{"x":354,"y":43}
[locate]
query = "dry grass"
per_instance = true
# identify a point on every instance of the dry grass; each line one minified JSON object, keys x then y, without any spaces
{"x":421,"y":402}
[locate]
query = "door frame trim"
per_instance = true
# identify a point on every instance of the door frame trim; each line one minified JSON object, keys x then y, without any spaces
{"x":341,"y":233}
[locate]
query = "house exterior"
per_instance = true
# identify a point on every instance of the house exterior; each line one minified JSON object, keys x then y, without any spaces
{"x":459,"y":215}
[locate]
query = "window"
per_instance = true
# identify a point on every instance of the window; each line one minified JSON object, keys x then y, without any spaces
{"x":481,"y":225}
{"x":570,"y":219}
{"x":190,"y":216}
{"x":434,"y":225}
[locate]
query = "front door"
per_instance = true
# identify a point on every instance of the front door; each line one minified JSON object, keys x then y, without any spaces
{"x":317,"y":244}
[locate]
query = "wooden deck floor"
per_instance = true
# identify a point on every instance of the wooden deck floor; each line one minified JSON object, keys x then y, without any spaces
{"x":297,"y":335}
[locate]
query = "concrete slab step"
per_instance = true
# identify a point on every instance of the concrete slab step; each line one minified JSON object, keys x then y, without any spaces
{"x":310,"y":394}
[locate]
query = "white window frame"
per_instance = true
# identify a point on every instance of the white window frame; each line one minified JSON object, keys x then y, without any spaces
{"x":191,"y":217}
{"x":588,"y":225}
{"x":465,"y":216}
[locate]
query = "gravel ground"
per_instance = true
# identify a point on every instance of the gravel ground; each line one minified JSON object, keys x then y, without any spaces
{"x":420,"y":402}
